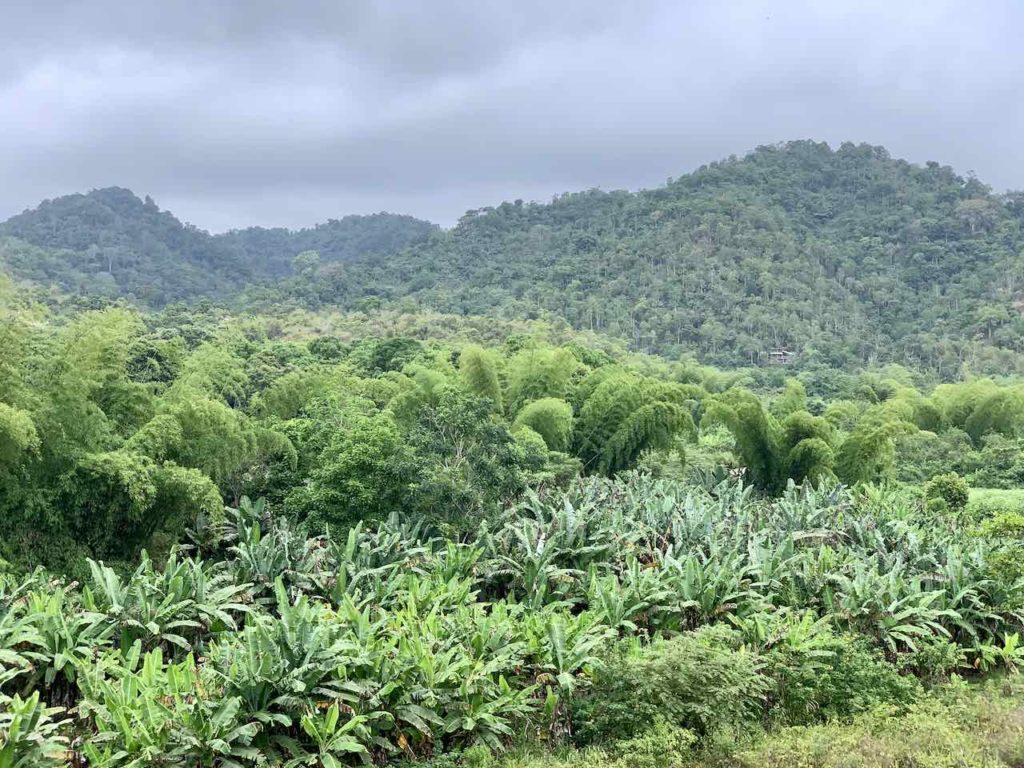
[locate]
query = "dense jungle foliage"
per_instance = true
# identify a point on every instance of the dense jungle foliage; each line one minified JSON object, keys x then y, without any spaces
{"x":393,"y":495}
{"x":118,"y":428}
{"x":644,"y":621}
{"x":844,"y":257}
{"x":237,"y":541}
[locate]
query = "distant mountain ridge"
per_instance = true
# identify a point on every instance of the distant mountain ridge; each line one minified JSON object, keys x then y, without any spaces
{"x":839,"y":256}
{"x":112,"y":242}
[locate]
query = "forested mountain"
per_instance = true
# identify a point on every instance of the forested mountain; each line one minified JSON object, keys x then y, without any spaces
{"x":110,"y":242}
{"x":843,"y":257}
{"x":266,"y":532}
{"x":839,"y":256}
{"x":343,"y":239}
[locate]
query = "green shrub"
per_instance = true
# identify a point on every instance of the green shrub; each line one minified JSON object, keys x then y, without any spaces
{"x":571,"y":758}
{"x":1005,"y":557}
{"x":30,"y":734}
{"x":661,"y":746}
{"x":959,"y":725}
{"x":699,"y":681}
{"x":946,"y":492}
{"x":934,"y":659}
{"x":477,"y":756}
{"x":999,"y":463}
{"x":986,"y":502}
{"x":836,"y":677}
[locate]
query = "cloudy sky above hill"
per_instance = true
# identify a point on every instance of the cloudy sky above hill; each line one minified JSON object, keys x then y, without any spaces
{"x":238,"y":112}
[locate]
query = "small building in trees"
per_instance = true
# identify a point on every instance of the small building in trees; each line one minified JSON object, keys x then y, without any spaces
{"x":780,"y":356}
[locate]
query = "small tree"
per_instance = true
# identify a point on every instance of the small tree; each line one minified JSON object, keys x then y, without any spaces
{"x":946,"y":492}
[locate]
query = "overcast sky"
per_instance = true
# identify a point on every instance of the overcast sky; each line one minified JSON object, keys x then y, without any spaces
{"x":239,"y":112}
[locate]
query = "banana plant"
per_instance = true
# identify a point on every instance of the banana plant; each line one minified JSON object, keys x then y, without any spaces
{"x":333,"y":739}
{"x":488,"y":715}
{"x":367,"y":565}
{"x":30,"y":734}
{"x":20,"y":642}
{"x":896,"y":611}
{"x":384,"y":642}
{"x":562,"y":646}
{"x":709,"y":588}
{"x":67,"y":636}
{"x":150,"y":713}
{"x":138,"y":609}
{"x":1009,"y":654}
{"x":620,"y":606}
{"x":532,"y":563}
{"x":277,"y":665}
{"x":283,"y":553}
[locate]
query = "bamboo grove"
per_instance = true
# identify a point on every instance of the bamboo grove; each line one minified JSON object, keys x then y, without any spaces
{"x":120,"y":431}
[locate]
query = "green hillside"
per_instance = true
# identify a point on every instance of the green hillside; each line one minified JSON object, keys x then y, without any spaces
{"x":330,"y":518}
{"x":110,"y":242}
{"x":842,"y":257}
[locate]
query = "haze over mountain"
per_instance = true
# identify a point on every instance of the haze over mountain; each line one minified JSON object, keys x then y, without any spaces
{"x":840,"y":256}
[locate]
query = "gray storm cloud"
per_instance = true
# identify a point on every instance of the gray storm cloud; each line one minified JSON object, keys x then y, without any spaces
{"x":233,"y":112}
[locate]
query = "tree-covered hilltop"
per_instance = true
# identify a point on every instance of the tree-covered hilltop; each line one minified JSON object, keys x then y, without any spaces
{"x":840,"y":256}
{"x":110,"y":242}
{"x":843,"y":257}
{"x":344,"y":239}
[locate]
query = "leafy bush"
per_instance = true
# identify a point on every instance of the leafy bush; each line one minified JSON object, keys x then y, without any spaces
{"x":660,"y":746}
{"x":934,"y":659}
{"x":947,"y":492}
{"x":1005,"y":531}
{"x":699,"y":681}
{"x":826,"y":677}
{"x":985,"y":502}
{"x":959,"y":726}
{"x":926,"y":738}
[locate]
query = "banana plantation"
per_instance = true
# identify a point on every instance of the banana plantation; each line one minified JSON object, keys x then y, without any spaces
{"x":590,"y":615}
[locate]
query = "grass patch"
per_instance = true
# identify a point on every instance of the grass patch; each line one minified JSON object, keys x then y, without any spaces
{"x":986,"y":502}
{"x":956,"y":726}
